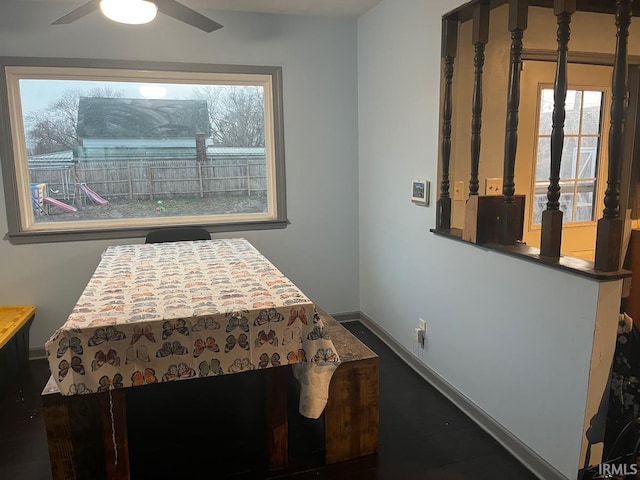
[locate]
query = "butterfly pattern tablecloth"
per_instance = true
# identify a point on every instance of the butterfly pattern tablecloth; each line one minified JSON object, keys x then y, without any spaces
{"x":173,"y":311}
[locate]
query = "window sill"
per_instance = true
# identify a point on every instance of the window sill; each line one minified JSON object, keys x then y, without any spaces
{"x":50,"y":236}
{"x":573,"y":265}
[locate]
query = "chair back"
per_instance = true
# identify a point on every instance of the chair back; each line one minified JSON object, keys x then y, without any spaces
{"x":177,"y":234}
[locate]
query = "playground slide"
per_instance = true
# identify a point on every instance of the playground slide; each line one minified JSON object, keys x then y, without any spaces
{"x":93,"y":195}
{"x":59,"y":204}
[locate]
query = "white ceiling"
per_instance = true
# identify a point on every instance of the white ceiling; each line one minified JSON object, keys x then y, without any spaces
{"x":339,"y":8}
{"x":351,"y":8}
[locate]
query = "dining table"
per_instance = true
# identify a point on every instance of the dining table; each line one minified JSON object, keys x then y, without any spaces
{"x":167,"y":312}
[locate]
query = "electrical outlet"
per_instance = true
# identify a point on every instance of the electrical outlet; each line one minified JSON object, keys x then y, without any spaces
{"x":458,"y":190}
{"x":493,"y":186}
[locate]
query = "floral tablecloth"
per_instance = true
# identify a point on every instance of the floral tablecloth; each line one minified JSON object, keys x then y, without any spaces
{"x":174,"y":311}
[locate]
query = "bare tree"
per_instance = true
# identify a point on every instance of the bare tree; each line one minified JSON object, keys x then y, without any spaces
{"x":55,"y":128}
{"x":236,"y":114}
{"x":212,"y":95}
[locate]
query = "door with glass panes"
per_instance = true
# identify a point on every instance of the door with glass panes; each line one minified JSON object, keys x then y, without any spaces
{"x":584,"y":157}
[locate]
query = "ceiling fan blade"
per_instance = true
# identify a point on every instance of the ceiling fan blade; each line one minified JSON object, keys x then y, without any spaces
{"x":187,"y":15}
{"x":79,"y":12}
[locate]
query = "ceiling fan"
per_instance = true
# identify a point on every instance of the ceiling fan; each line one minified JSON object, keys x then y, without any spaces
{"x":147,"y":9}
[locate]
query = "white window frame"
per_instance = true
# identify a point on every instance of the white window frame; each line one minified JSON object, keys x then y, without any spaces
{"x":13,"y":153}
{"x":604,"y":119}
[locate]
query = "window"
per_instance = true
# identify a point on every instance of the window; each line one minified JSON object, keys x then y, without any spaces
{"x":108,"y":152}
{"x":580,"y":156}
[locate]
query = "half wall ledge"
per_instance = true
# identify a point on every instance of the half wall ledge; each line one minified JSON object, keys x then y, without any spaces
{"x":567,"y":264}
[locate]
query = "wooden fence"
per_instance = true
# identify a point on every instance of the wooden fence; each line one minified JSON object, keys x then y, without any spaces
{"x":156,"y":178}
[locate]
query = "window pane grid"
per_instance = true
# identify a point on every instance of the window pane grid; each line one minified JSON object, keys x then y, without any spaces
{"x":579,"y":158}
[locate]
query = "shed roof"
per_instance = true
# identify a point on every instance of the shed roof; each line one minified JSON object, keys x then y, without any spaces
{"x":54,"y":158}
{"x":141,"y":118}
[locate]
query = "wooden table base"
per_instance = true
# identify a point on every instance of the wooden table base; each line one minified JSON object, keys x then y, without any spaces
{"x":80,"y":435}
{"x":89,"y":439}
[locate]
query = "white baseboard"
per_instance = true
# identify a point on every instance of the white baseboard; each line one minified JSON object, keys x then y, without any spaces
{"x":347,"y":316}
{"x":530,"y":459}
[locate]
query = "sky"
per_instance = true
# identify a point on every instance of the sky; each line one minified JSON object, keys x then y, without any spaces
{"x":37,"y":94}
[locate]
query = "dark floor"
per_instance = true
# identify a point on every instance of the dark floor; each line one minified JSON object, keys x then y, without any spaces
{"x":422,"y":436}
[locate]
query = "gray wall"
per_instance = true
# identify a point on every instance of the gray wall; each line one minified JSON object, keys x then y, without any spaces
{"x":375,"y":88}
{"x":318,"y":251}
{"x":513,"y":337}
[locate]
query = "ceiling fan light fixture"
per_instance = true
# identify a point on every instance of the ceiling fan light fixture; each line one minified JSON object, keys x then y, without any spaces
{"x":133,"y":12}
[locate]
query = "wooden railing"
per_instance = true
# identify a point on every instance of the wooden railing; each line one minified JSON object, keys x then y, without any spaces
{"x":506,"y":219}
{"x":449,"y":47}
{"x":480,"y":37}
{"x":609,"y":236}
{"x":518,"y":16}
{"x":551,"y":235}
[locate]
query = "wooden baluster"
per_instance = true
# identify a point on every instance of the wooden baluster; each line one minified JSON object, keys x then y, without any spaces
{"x":480,"y":37}
{"x":518,"y":11}
{"x":551,"y":236}
{"x":609,"y":236}
{"x":475,"y":205}
{"x":449,"y":46}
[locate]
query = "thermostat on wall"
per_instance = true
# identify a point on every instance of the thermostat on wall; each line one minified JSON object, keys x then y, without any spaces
{"x":420,"y":192}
